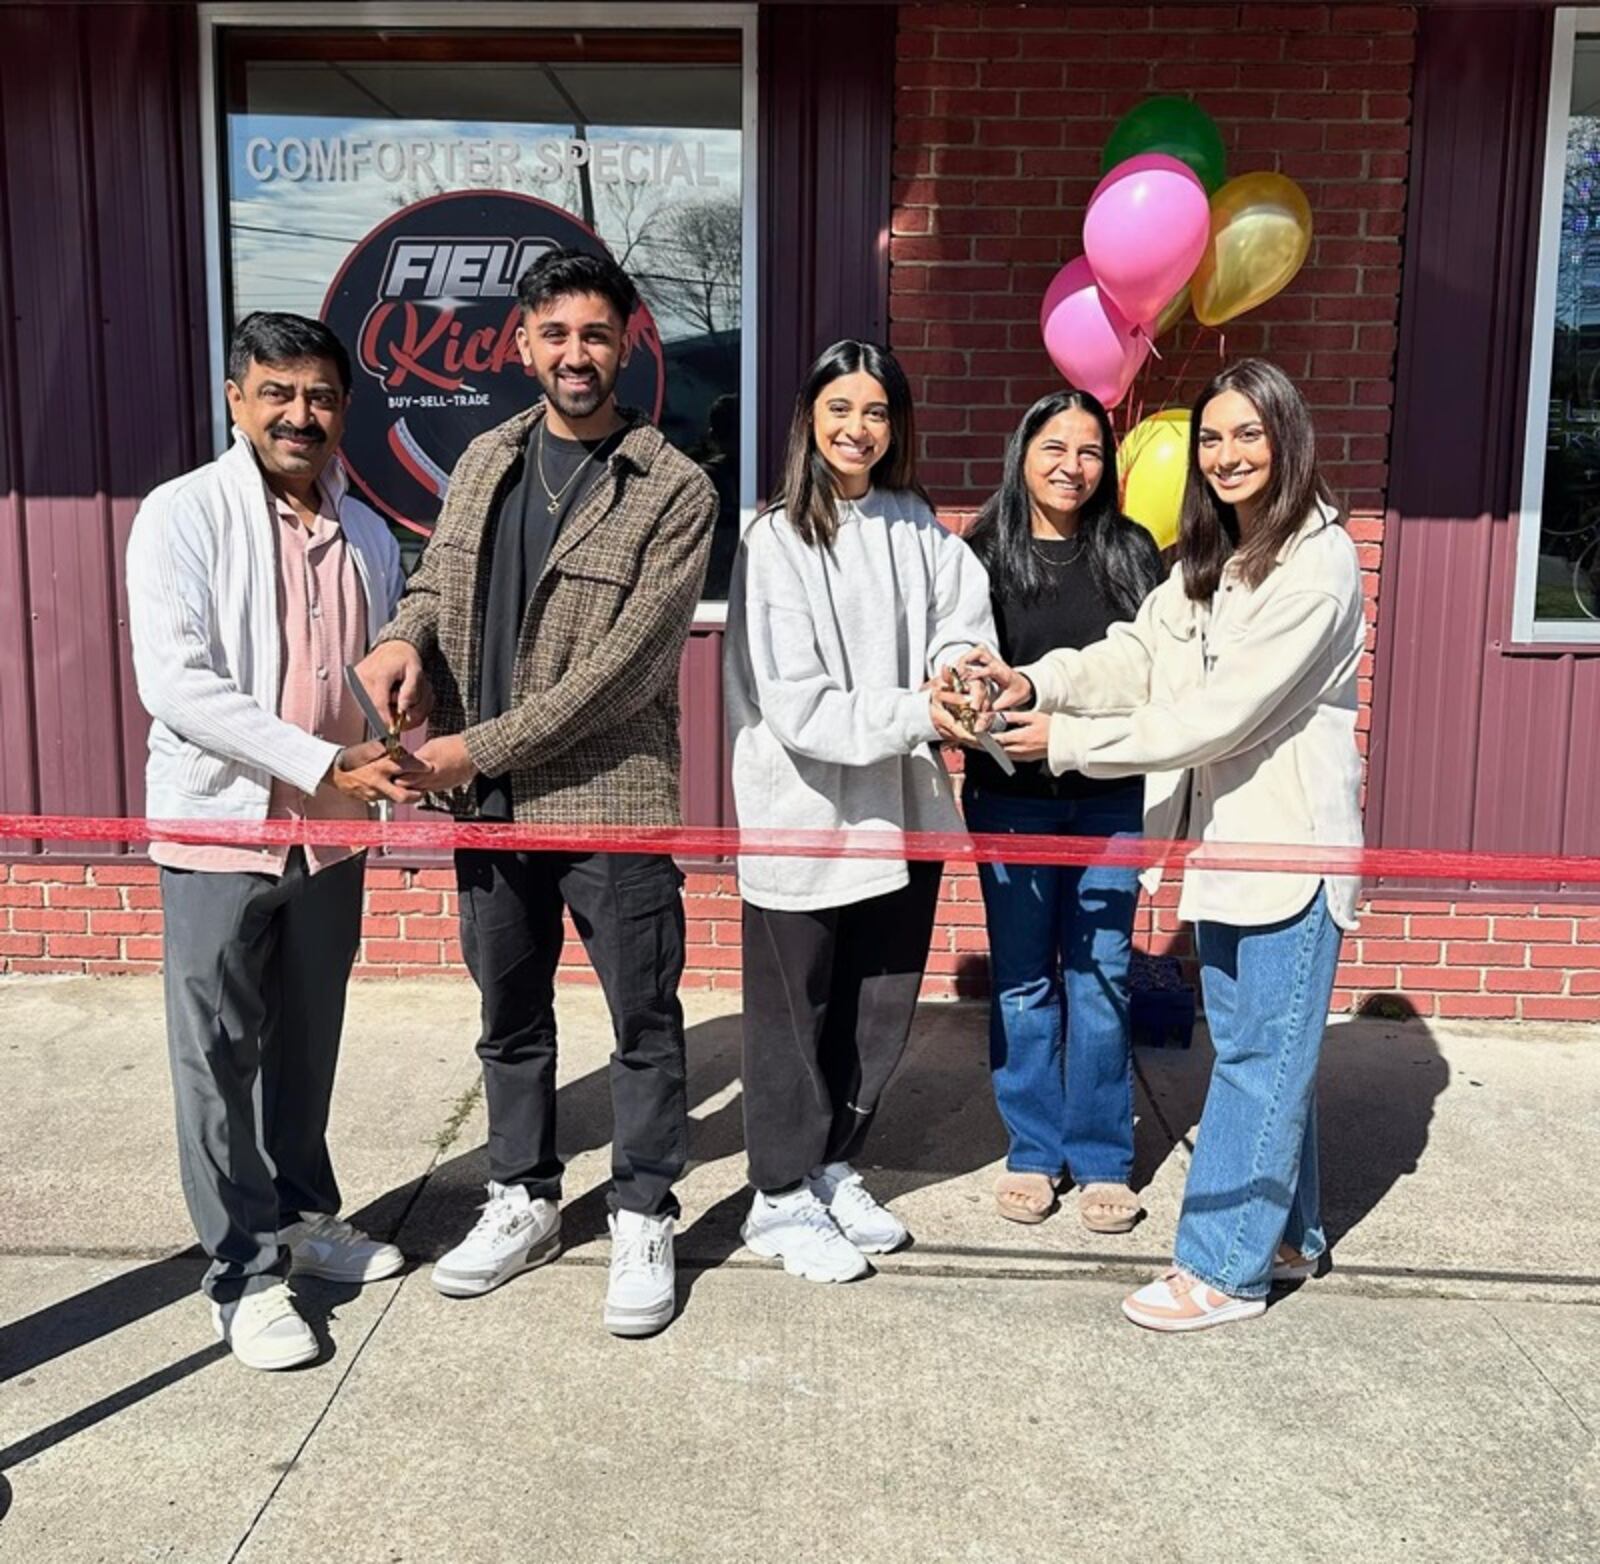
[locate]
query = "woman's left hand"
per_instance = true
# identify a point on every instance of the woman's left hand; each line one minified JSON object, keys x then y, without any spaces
{"x":1026,"y":735}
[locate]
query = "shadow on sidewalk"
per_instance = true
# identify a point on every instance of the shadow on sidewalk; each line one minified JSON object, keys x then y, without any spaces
{"x":120,"y":1301}
{"x":1378,"y":1085}
{"x":455,"y":1189}
{"x":938,"y":1123}
{"x":1379,"y":1079}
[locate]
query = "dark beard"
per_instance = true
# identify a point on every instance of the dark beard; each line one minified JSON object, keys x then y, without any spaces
{"x":584,"y":406}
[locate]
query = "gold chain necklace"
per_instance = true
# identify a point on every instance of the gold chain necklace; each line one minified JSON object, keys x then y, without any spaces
{"x":555,"y":495}
{"x":1057,"y":564}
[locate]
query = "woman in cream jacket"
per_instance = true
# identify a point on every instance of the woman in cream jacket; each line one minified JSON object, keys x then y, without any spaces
{"x":1234,"y":690}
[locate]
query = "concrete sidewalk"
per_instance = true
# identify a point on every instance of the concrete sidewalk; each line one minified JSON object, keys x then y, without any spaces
{"x":1435,"y":1397}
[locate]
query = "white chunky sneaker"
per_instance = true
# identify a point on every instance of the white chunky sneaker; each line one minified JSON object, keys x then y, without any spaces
{"x":264,"y":1329}
{"x":514,"y":1234}
{"x":641,"y":1295}
{"x":869,"y":1226}
{"x":797,"y":1229}
{"x":330,"y":1248}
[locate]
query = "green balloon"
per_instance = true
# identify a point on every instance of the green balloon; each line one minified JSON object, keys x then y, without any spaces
{"x":1175,"y":126}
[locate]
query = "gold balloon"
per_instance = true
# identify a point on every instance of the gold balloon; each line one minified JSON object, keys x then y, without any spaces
{"x":1153,"y":466}
{"x":1177,"y":308}
{"x":1260,"y":236}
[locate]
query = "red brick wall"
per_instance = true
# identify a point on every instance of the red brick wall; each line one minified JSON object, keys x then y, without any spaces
{"x":1503,"y":960}
{"x":1000,"y":116}
{"x":105,"y":919}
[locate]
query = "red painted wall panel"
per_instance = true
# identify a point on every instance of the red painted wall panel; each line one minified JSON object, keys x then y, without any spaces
{"x":1473,"y":747}
{"x":146,"y":179}
{"x":707,"y":790}
{"x":827,"y":111}
{"x":98,"y":383}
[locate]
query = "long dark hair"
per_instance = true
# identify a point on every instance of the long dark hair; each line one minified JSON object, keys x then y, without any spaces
{"x":807,"y":492}
{"x":1121,"y":555}
{"x":1208,"y":533}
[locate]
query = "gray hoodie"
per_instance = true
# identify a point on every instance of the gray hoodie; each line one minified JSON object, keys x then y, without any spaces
{"x":826,"y":653}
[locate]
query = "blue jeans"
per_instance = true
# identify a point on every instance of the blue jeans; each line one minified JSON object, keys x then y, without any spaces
{"x":1253,"y":1183}
{"x":1060,"y":938}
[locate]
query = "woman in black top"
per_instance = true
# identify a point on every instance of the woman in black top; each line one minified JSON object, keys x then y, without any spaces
{"x":1064,"y":564}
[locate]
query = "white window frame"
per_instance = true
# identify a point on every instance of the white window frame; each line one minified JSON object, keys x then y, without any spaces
{"x":1525,"y":629}
{"x":346,"y":15}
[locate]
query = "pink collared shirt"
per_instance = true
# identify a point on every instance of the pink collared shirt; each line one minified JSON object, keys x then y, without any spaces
{"x":322,"y":625}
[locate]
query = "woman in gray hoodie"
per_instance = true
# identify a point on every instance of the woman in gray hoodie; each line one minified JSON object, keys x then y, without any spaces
{"x":848,"y":598}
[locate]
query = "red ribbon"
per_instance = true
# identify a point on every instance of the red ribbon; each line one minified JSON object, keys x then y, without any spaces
{"x":1393,"y":863}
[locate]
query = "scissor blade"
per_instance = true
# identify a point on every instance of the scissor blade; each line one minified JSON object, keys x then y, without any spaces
{"x":352,"y":680}
{"x":991,"y":747}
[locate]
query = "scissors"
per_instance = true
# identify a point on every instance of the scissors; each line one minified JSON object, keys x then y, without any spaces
{"x":389,"y":732}
{"x":967,"y":717}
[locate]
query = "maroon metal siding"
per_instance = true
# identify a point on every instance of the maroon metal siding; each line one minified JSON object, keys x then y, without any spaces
{"x":103,"y":378}
{"x":827,"y":133}
{"x":1472,"y":747}
{"x":101,"y":385}
{"x":826,"y":129}
{"x":706,"y":784}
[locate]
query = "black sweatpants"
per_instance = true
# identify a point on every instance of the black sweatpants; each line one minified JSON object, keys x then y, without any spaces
{"x":628,"y":910}
{"x":829,"y":997}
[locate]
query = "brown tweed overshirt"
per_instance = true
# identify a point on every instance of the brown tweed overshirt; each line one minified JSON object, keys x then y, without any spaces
{"x":592,"y":734}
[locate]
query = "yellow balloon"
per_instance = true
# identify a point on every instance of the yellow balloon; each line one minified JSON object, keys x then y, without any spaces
{"x":1176,"y":309}
{"x":1260,"y":236}
{"x":1153,"y":466}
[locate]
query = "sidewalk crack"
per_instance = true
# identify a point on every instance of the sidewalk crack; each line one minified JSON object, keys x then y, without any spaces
{"x":442,"y":1142}
{"x":450,"y":1131}
{"x":1534,"y":1364}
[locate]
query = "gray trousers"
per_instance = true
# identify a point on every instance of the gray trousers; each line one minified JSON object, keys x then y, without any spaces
{"x":255,"y":974}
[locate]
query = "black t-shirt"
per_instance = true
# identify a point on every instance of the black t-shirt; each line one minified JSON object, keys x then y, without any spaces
{"x":1070,"y":611}
{"x":527,"y":522}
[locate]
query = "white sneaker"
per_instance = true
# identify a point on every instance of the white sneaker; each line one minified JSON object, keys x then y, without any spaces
{"x":330,"y":1248}
{"x":797,"y":1229}
{"x":514,"y":1234}
{"x":869,"y":1226}
{"x":641,"y":1296}
{"x":1178,"y":1301}
{"x":264,"y":1329}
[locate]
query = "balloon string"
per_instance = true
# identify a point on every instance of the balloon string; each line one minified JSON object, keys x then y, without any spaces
{"x":1183,"y":371}
{"x":1176,"y":383}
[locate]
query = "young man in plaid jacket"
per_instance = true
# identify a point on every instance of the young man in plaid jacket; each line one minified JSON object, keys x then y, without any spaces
{"x":548,"y":616}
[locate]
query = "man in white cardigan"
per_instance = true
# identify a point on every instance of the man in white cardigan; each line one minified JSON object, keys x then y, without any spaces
{"x":252,"y":582}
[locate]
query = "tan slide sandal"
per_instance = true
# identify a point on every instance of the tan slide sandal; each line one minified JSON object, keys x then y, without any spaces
{"x":1025,"y":1197}
{"x":1108,"y":1208}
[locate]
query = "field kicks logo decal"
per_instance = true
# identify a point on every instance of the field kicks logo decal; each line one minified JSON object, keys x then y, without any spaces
{"x":427,"y":304}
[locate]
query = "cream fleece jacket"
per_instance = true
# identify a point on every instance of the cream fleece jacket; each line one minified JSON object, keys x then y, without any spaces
{"x":1243,"y":713}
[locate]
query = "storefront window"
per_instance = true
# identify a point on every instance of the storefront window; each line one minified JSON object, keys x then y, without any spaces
{"x":1559,"y":577}
{"x":396,"y":184}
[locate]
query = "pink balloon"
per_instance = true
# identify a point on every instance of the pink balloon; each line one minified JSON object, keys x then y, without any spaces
{"x":1094,"y":345}
{"x":1144,"y":232}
